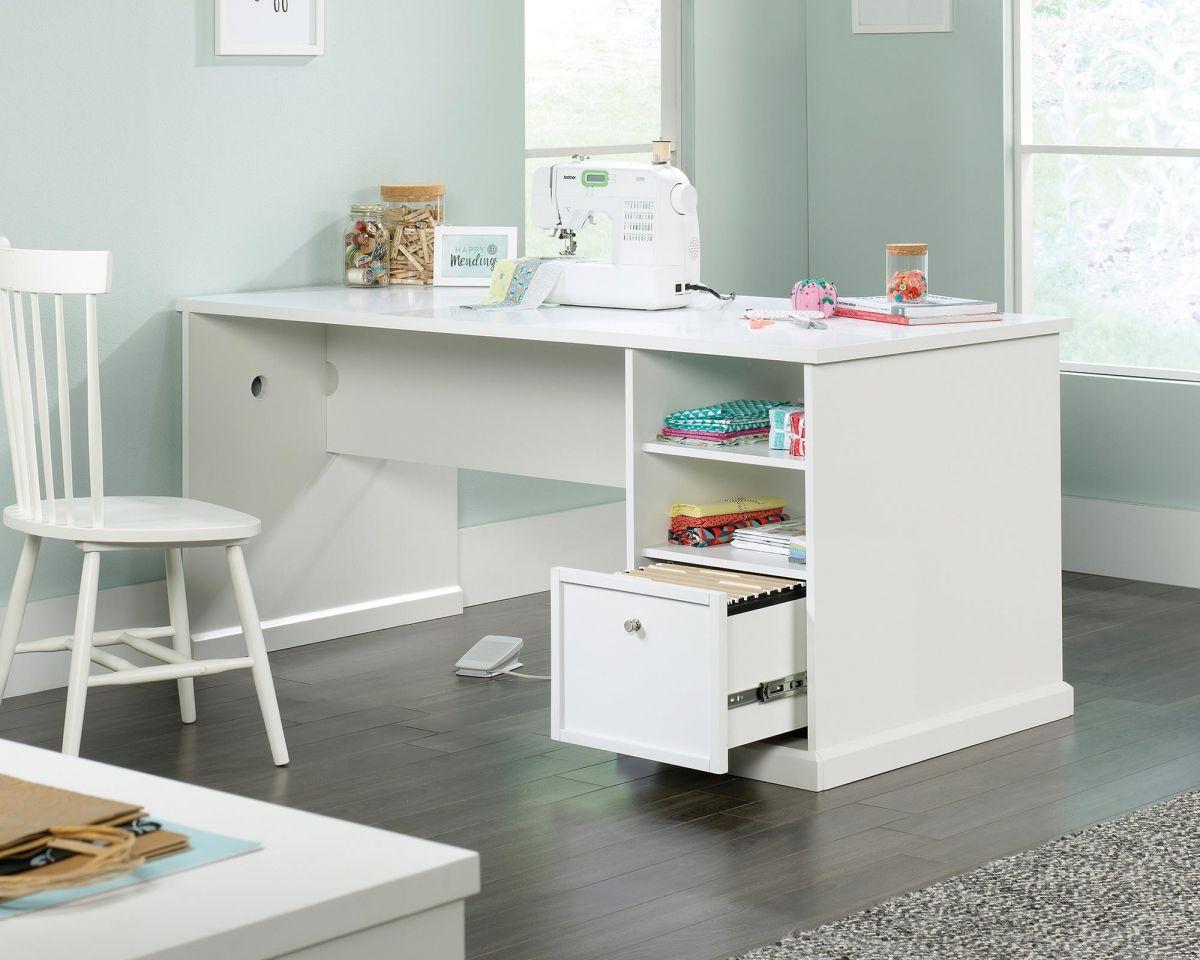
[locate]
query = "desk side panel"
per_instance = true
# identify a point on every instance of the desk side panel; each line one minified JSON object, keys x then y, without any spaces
{"x":934,"y":550}
{"x":348,"y":544}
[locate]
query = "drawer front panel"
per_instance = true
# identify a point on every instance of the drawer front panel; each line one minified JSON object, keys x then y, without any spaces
{"x":655,"y":690}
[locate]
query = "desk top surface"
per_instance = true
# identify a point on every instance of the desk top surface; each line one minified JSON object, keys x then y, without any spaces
{"x":717,"y":329}
{"x":314,"y":879}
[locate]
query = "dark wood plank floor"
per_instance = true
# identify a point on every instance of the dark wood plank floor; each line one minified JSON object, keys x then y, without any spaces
{"x":586,"y":855}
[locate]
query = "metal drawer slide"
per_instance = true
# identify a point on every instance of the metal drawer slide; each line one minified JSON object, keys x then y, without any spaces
{"x":768,"y":690}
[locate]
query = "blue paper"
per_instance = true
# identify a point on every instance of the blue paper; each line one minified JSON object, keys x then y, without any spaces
{"x":205,"y":848}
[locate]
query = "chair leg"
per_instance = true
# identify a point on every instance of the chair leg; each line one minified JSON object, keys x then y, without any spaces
{"x":81,"y":653}
{"x":256,"y":649}
{"x":177,"y":603}
{"x":14,"y":614}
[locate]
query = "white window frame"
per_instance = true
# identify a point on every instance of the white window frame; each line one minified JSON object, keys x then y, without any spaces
{"x":672,"y":98}
{"x":1025,"y":150}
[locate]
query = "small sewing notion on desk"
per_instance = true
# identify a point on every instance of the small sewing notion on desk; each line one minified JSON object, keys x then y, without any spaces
{"x":927,"y":617}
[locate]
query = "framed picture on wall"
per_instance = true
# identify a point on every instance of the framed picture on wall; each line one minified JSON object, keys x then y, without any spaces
{"x":465,"y":256}
{"x":902,"y":16}
{"x":272,"y":28}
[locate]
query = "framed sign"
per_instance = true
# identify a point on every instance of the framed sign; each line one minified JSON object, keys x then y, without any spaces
{"x":465,"y":256}
{"x":270,"y":28}
{"x":902,"y":16}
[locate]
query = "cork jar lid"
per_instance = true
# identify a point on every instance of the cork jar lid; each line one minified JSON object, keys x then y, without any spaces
{"x":908,"y":249}
{"x":412,"y":192}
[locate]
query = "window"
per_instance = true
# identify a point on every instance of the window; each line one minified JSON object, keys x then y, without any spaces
{"x":1108,"y":180}
{"x":601,"y":79}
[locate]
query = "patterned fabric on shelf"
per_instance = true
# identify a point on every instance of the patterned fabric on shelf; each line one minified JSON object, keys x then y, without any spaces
{"x":711,"y":536}
{"x":715,"y":440}
{"x":683,"y":521}
{"x":740,"y":505}
{"x":726,"y":417}
{"x":733,"y":436}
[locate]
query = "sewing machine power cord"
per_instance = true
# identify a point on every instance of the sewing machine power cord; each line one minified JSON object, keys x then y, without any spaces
{"x":705,"y":288}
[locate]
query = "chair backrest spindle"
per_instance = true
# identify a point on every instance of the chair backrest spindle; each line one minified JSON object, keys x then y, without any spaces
{"x":11,"y":406}
{"x":43,"y":406}
{"x":24,"y":381}
{"x":25,"y":406}
{"x":95,"y":439}
{"x":64,"y":406}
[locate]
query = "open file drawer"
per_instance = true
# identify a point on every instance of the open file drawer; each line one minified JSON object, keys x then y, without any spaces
{"x":670,"y":672}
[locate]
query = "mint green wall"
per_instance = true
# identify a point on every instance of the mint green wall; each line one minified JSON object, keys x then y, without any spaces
{"x":907,"y":143}
{"x":745,"y":135}
{"x":123,"y":131}
{"x":1131,"y":440}
{"x":875,"y":175}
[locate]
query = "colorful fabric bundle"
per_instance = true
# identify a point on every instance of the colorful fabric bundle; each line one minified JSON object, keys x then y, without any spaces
{"x":739,"y":505}
{"x":521,"y":284}
{"x":726,"y":423}
{"x":682,"y":522}
{"x":784,"y":418}
{"x":789,"y":431}
{"x":712,"y":523}
{"x":709,"y":439}
{"x":711,"y":536}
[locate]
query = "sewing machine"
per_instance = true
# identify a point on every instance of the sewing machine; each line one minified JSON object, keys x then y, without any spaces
{"x":655,"y":232}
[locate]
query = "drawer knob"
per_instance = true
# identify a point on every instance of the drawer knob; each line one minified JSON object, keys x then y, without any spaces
{"x":633,"y":625}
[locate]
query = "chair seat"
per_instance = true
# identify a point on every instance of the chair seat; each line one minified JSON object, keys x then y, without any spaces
{"x":130,"y":520}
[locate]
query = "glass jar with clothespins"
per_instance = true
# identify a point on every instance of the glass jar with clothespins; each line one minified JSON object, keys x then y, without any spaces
{"x":411,"y":212}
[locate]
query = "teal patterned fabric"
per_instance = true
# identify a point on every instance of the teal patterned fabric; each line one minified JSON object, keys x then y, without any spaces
{"x":724,"y":417}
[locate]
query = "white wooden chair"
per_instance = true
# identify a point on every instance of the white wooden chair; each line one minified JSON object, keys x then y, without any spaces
{"x":96,"y":523}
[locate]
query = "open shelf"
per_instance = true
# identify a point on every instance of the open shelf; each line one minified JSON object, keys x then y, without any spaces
{"x":756,"y":453}
{"x":729,"y":557}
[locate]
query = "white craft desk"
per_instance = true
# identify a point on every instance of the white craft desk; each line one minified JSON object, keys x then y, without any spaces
{"x":318,"y":889}
{"x":931,"y":489}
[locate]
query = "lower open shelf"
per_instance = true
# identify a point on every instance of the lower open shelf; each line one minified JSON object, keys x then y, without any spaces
{"x":729,"y":557}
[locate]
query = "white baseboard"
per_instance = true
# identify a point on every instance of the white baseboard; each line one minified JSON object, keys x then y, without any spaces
{"x":139,"y":605}
{"x":315,"y":626}
{"x":496,"y":561}
{"x":778,"y":763}
{"x":1132,"y":541}
{"x":513,"y":558}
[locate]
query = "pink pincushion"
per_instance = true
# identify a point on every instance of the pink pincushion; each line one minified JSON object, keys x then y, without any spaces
{"x":815,"y":293}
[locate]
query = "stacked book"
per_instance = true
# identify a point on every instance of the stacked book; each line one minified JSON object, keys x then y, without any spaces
{"x":785,"y":539}
{"x":933,"y":309}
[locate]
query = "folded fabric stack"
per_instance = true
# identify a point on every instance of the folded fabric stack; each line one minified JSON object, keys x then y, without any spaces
{"x":781,"y":539}
{"x":788,"y":430}
{"x":720,"y":425}
{"x":710,"y":524}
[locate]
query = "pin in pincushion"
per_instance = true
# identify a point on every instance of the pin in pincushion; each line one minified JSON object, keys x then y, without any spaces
{"x":815,"y":293}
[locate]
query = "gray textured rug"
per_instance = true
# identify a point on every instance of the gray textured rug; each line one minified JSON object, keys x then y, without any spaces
{"x":1127,"y":889}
